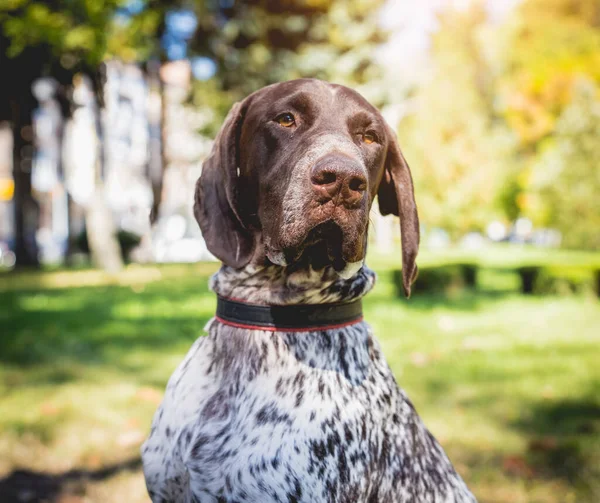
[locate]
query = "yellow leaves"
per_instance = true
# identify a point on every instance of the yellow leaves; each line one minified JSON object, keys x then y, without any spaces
{"x":118,"y":49}
{"x":529,"y":118}
{"x":351,"y":24}
{"x":260,"y":54}
{"x":9,"y":5}
{"x":553,"y":44}
{"x":318,"y":4}
{"x":523,"y":201}
{"x":79,"y":38}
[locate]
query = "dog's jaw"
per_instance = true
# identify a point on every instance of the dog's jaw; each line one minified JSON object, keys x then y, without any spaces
{"x":276,"y":285}
{"x":350,"y":270}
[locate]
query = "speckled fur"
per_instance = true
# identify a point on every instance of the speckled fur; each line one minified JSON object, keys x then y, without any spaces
{"x":256,"y":416}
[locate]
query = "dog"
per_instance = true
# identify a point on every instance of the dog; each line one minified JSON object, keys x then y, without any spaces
{"x":296,"y":412}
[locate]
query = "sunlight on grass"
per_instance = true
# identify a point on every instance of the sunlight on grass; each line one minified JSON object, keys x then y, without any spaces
{"x":509,"y":384}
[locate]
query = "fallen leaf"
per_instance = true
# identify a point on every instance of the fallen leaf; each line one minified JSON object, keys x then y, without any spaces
{"x":132,"y":423}
{"x":445,"y":323}
{"x":48,"y":409}
{"x":130,"y":438}
{"x":419,"y":359}
{"x":548,"y":391}
{"x":517,"y":465}
{"x":543,"y":444}
{"x":149,"y":395}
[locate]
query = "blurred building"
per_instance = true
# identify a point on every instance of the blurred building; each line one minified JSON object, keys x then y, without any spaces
{"x":7,"y":188}
{"x":46,"y":173}
{"x":177,"y":236}
{"x":145,"y":136}
{"x":127,"y":146}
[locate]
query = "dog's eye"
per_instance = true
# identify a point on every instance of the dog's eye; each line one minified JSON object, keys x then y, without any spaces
{"x":286,"y":119}
{"x":369,"y":137}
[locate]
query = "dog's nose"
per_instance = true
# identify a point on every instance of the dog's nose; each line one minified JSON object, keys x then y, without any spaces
{"x":339,"y":178}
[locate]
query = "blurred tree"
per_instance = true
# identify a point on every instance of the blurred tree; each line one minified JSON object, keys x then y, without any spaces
{"x":548,"y":47}
{"x":567,"y":175}
{"x":549,"y":44}
{"x":259,"y":42}
{"x":502,"y":116}
{"x":49,"y":38}
{"x":451,"y":134}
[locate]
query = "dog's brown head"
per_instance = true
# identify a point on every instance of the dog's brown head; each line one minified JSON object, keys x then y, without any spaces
{"x":292,"y":176}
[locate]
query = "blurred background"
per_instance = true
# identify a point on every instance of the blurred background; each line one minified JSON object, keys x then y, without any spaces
{"x":107,"y":109}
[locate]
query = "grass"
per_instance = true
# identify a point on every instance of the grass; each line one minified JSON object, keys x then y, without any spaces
{"x":510,"y":385}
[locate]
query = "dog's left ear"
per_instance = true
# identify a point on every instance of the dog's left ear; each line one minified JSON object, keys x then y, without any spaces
{"x":218,"y":195}
{"x":396,"y":196}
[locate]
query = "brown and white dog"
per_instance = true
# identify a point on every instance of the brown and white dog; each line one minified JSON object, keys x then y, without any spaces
{"x":282,"y":415}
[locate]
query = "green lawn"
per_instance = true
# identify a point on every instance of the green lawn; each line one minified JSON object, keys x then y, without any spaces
{"x":510,"y":385}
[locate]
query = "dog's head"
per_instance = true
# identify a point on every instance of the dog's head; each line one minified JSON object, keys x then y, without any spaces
{"x":292,"y":176}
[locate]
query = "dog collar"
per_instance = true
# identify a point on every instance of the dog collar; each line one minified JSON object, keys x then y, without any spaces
{"x":293,"y":318}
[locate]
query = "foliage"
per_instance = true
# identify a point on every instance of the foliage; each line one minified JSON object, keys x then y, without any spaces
{"x":459,"y":151}
{"x":61,"y":39}
{"x":507,"y":122}
{"x":448,"y":278}
{"x":550,"y":44}
{"x":533,"y":277}
{"x":565,"y":281}
{"x":257,"y":43}
{"x":565,"y":181}
{"x":548,"y":94}
{"x":79,"y":35}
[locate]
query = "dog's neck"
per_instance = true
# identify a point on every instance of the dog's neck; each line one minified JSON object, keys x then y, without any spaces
{"x":277,"y":285}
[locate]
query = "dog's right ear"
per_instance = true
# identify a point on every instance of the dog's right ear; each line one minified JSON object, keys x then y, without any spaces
{"x":396,"y":196}
{"x":217,"y":192}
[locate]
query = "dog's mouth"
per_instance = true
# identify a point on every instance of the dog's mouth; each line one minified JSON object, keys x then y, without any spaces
{"x":325,"y":245}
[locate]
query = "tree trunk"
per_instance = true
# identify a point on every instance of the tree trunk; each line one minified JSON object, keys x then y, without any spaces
{"x":101,"y":235}
{"x":100,"y":227}
{"x":157,"y":161}
{"x":26,"y":208}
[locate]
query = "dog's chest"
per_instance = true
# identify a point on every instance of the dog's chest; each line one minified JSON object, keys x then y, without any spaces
{"x":302,"y":423}
{"x":304,"y":436}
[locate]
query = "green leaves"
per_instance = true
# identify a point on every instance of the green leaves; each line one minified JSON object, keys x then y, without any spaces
{"x":257,"y":43}
{"x":507,"y":122}
{"x":79,"y":33}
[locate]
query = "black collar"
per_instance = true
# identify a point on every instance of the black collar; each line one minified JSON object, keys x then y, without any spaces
{"x":293,"y":318}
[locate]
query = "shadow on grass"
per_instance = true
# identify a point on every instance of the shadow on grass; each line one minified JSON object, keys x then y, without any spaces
{"x":103,"y":324}
{"x":97,"y":325}
{"x":564,"y":442}
{"x":38,"y":487}
{"x":465,"y":300}
{"x":491,"y":287}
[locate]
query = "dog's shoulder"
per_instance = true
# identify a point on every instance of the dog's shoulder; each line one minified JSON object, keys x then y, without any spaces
{"x":419,"y":462}
{"x":163,"y":453}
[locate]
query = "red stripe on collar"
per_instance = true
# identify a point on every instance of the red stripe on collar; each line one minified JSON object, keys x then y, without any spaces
{"x":287,"y":329}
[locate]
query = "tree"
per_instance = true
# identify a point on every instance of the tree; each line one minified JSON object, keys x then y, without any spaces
{"x":550,"y":56}
{"x":566,"y":178}
{"x":549,"y":44}
{"x":451,"y":134}
{"x":43,"y":38}
{"x":258,"y":42}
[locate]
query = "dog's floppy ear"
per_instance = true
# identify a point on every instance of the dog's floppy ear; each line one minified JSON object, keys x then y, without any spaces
{"x":216,"y":201}
{"x":396,"y":197}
